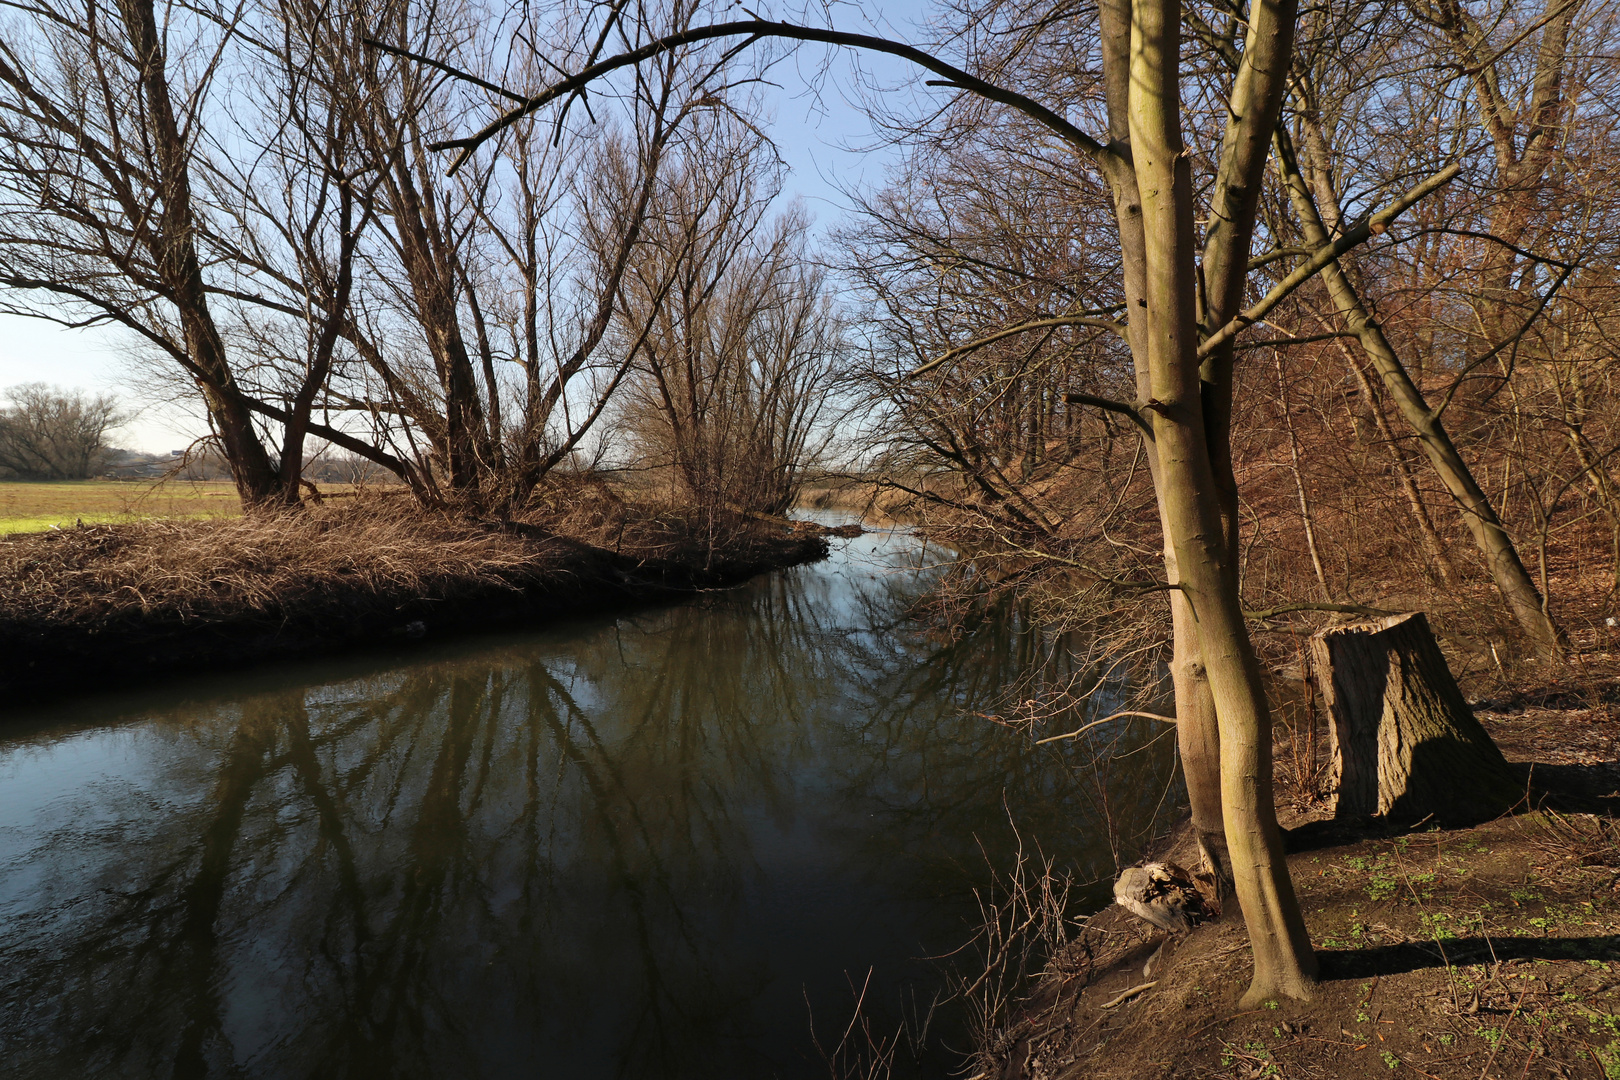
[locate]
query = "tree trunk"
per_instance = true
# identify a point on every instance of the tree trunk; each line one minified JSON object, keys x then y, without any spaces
{"x":1436,"y":548}
{"x":1284,"y":965}
{"x":1198,"y":740}
{"x":172,"y":241}
{"x":1299,"y":480}
{"x":1405,"y":744}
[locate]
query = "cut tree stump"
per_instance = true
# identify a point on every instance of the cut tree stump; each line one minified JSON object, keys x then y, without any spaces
{"x":1405,"y":744}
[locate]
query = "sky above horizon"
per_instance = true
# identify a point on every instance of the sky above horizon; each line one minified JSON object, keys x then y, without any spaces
{"x":823,"y":136}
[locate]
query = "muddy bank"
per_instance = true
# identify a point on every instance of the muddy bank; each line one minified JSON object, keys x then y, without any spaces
{"x":1489,"y":951}
{"x":107,"y":605}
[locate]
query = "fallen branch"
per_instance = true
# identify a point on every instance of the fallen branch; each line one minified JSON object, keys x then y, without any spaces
{"x":1341,"y":609}
{"x":1132,"y":992}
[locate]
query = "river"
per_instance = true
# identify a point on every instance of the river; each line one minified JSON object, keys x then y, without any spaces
{"x":677,"y":842}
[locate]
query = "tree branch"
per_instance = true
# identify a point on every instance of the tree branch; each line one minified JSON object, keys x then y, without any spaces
{"x":1112,"y":406}
{"x":1012,"y":331}
{"x":1104,"y":720}
{"x":1369,"y":227}
{"x":756,"y":28}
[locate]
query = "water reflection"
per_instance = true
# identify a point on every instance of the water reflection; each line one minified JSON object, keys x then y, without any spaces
{"x":633,"y":848}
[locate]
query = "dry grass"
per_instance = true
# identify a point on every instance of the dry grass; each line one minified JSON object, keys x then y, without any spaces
{"x":183,"y":592}
{"x":204,"y":569}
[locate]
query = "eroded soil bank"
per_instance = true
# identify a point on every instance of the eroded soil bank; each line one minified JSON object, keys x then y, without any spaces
{"x":1484,"y":952}
{"x":103,"y":605}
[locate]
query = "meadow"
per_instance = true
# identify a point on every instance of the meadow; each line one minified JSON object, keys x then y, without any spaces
{"x":28,"y":506}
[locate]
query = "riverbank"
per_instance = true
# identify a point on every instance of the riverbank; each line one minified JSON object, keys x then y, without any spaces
{"x":1483,"y":952}
{"x":106,"y":604}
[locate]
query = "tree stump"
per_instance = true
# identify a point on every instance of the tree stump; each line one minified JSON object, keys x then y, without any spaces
{"x":1405,"y":744}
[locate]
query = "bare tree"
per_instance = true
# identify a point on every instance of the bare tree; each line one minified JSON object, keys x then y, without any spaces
{"x":736,"y":342}
{"x":291,"y":218}
{"x":99,"y":122}
{"x":1312,"y":179}
{"x":307,"y":268}
{"x":487,"y":298}
{"x":51,"y":434}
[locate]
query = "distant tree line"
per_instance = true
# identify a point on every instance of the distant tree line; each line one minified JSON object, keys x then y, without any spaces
{"x":50,"y":434}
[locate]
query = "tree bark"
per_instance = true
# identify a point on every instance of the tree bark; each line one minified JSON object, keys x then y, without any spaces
{"x":1405,"y":744}
{"x":1198,"y":740}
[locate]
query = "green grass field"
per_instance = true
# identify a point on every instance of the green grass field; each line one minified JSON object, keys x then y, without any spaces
{"x":35,"y":507}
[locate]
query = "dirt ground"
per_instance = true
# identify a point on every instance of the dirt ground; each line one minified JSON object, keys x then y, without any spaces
{"x":1491,"y":953}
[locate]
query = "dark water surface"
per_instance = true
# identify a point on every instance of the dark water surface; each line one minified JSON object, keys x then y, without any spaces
{"x":649,"y":845}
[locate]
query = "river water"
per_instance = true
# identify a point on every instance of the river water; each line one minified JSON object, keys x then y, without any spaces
{"x":677,"y":842}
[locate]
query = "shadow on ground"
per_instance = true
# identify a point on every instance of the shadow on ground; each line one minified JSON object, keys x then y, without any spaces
{"x":1415,"y":956}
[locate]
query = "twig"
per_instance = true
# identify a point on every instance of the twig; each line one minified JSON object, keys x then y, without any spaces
{"x":1104,"y":720}
{"x":1223,"y":1020}
{"x":1497,"y":1049}
{"x":1132,"y":992}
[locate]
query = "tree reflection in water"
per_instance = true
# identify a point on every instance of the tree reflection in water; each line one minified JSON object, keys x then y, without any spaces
{"x":633,"y":847}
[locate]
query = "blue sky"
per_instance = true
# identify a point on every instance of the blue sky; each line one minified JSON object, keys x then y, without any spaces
{"x":823,"y":136}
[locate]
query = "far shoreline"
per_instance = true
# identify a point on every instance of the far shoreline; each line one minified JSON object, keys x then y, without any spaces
{"x":98,"y":606}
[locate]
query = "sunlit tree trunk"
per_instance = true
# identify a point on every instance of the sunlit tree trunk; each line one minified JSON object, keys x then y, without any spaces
{"x":1198,"y":740}
{"x":1188,"y":449}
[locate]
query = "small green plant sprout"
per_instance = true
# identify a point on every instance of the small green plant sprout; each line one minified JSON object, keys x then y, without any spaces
{"x":1381,"y":887}
{"x":1391,"y":1062}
